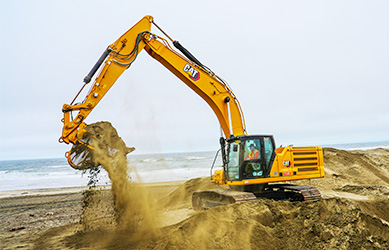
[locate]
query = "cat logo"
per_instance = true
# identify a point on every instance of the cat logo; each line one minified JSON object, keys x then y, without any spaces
{"x":193,"y":74}
{"x":286,"y":163}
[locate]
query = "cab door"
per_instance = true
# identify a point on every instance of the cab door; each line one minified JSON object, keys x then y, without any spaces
{"x":269,"y":154}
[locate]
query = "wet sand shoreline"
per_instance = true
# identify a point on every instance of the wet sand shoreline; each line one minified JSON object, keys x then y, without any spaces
{"x":63,"y":190}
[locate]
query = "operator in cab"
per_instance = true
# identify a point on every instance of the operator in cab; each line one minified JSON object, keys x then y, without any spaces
{"x":253,"y":154}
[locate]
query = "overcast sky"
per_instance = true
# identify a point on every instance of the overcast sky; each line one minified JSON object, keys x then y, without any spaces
{"x":308,"y":72}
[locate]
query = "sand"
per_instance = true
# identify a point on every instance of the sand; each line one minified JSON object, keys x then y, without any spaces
{"x":352,"y":214}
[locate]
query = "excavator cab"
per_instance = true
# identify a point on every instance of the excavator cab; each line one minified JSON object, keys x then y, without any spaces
{"x":249,"y":157}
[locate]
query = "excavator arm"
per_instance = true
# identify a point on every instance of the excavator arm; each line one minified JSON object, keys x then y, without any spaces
{"x":123,"y":52}
{"x":120,"y":56}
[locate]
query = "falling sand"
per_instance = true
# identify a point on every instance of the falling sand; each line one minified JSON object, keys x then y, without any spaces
{"x":134,"y":213}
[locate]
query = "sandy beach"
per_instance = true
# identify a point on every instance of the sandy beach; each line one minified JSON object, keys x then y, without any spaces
{"x":351,"y":215}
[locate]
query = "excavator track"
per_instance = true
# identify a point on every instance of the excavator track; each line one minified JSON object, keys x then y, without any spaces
{"x":207,"y":199}
{"x":212,"y":198}
{"x":291,"y":192}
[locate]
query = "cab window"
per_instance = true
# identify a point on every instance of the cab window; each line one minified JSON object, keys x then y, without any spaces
{"x":252,"y":149}
{"x":233,"y":161}
{"x":252,"y":167}
{"x":268,"y":145}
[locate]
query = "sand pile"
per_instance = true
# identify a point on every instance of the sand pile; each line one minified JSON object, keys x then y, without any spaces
{"x":358,"y":167}
{"x":182,"y":196}
{"x":329,"y":224}
{"x":333,"y":223}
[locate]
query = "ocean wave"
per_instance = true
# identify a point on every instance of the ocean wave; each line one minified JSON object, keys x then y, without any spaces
{"x":57,"y":166}
{"x":191,"y":158}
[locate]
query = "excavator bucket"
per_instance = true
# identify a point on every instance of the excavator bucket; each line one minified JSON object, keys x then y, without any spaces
{"x":100,"y":141}
{"x":81,"y":157}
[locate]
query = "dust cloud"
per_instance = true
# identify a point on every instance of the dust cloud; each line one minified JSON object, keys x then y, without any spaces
{"x":130,"y":203}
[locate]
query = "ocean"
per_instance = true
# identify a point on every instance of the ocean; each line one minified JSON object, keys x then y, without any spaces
{"x":56,"y":173}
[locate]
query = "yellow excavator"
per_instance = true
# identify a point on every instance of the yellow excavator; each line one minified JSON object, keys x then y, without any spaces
{"x":250,"y":162}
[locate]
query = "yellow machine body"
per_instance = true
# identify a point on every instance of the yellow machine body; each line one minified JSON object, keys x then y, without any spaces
{"x":290,"y":164}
